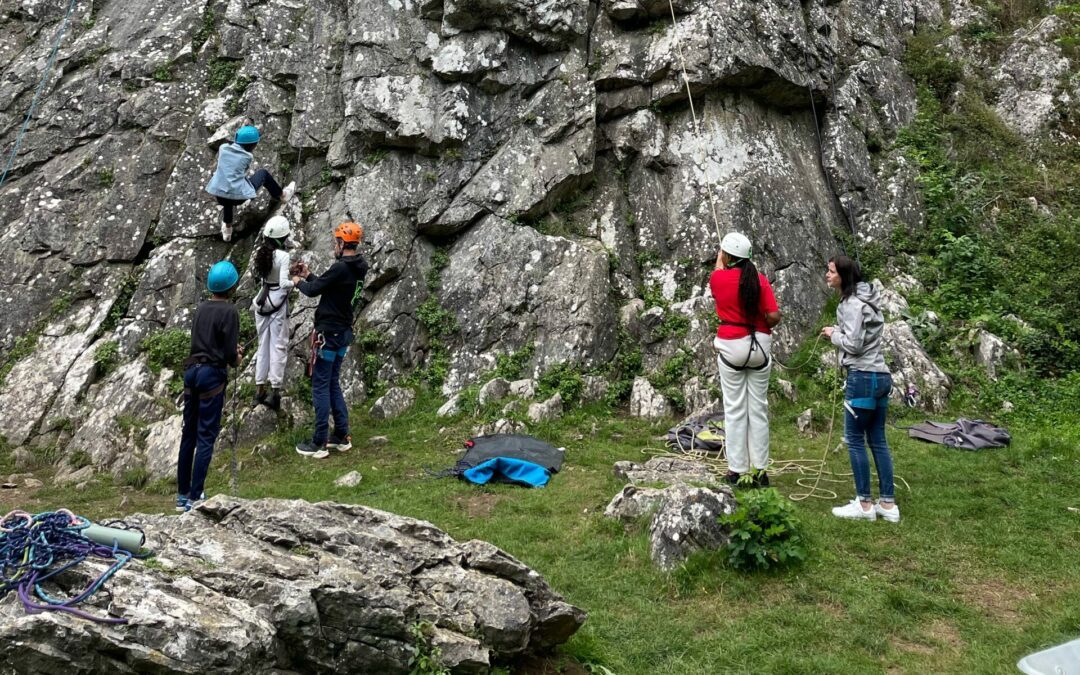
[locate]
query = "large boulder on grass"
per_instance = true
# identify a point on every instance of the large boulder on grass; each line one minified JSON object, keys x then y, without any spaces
{"x":273,"y":585}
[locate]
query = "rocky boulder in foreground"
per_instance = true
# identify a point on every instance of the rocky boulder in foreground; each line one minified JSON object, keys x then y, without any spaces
{"x":272,"y":585}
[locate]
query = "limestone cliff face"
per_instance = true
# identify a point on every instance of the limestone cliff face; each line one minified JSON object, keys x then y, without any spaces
{"x":528,"y":166}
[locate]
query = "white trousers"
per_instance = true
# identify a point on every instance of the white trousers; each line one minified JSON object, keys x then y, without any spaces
{"x":746,"y":402}
{"x":273,"y":332}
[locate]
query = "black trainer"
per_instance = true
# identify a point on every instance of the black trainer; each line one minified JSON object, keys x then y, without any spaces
{"x":761,"y":479}
{"x":274,"y":402}
{"x":309,"y":449}
{"x":732,"y":477}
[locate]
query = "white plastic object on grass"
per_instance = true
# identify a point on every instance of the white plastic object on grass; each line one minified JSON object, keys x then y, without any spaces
{"x":1063,"y":659}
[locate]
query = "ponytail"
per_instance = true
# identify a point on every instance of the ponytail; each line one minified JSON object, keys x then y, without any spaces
{"x":264,"y":258}
{"x":749,"y":290}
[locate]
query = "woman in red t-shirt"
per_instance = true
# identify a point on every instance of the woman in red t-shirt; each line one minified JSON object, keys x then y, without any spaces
{"x":747,"y":310}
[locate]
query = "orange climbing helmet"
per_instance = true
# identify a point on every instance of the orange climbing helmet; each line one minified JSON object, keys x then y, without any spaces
{"x":350,"y":233}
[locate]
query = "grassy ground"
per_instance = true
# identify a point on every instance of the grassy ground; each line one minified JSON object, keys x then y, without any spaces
{"x":982,"y":569}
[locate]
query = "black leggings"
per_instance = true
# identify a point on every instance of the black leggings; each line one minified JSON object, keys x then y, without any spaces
{"x":260,"y":178}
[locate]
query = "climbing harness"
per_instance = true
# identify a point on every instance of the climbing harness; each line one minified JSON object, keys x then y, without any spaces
{"x":754,"y":346}
{"x":37,"y":93}
{"x":37,"y":548}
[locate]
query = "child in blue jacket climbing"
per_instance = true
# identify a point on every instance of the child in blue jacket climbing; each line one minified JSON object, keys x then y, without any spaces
{"x":230,"y":183}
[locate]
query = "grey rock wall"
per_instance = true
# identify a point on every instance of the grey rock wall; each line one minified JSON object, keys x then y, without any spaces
{"x":528,"y":166}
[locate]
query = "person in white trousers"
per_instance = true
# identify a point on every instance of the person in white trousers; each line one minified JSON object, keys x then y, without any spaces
{"x":271,"y":307}
{"x":747,"y":309}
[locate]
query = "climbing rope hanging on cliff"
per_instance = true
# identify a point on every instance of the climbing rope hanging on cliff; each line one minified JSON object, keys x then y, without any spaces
{"x":693,"y":117}
{"x":37,"y":93}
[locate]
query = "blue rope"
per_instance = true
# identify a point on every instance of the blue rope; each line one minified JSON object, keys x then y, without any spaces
{"x":37,"y":94}
{"x":34,"y":549}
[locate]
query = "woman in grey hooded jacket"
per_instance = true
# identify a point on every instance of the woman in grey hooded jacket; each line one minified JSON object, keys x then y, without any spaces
{"x":857,"y":334}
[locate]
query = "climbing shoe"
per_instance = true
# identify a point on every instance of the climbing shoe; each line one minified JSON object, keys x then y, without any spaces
{"x":288,"y":191}
{"x":309,"y":449}
{"x":274,"y":401}
{"x":761,"y":479}
{"x":182,"y":503}
{"x":261,"y":397}
{"x":732,"y":477}
{"x":339,"y":443}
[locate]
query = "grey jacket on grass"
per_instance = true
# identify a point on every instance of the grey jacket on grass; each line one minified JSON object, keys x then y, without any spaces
{"x":859,"y":325}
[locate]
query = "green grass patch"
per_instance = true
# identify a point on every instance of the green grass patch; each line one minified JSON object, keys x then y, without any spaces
{"x":980,"y":571}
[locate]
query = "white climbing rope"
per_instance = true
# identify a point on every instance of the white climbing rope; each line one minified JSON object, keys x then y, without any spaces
{"x":693,"y":116}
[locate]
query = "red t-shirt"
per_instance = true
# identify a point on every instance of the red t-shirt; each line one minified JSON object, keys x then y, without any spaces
{"x":725,"y":291}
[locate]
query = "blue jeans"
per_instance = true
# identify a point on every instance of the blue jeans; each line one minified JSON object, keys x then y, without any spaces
{"x":868,"y":395}
{"x":258,"y":179}
{"x":202,"y":424}
{"x":326,"y":393}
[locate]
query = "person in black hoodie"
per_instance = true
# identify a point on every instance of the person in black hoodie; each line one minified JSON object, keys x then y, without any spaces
{"x":215,"y":345}
{"x":337,"y":289}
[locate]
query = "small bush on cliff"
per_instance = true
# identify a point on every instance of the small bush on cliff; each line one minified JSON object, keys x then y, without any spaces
{"x":167,"y":349}
{"x":427,"y":658}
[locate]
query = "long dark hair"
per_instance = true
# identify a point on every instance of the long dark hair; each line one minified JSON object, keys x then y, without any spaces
{"x":749,"y":289}
{"x":264,"y":256}
{"x":850,"y":274}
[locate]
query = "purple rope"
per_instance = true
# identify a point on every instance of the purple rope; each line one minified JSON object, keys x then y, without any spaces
{"x":53,"y":542}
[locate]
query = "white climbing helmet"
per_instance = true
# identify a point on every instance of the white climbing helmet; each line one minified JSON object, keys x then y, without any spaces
{"x":736,"y":245}
{"x":277,"y":228}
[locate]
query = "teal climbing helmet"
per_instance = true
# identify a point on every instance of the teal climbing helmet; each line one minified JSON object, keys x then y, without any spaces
{"x":247,"y":134}
{"x":222,"y":277}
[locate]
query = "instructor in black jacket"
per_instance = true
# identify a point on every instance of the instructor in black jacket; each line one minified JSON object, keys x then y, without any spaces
{"x":337,"y":289}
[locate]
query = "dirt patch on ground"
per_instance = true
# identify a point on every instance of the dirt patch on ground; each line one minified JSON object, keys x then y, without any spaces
{"x":478,"y":505}
{"x":908,"y":647}
{"x":996,"y":599}
{"x":944,"y":632}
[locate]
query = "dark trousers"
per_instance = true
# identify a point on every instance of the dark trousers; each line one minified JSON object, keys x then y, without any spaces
{"x":202,"y":424}
{"x":258,"y":179}
{"x":326,"y":394}
{"x":868,"y":395}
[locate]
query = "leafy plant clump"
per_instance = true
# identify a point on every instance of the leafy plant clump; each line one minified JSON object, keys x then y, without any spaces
{"x":106,"y":357}
{"x":167,"y":349}
{"x":427,"y":658}
{"x":764,"y":532}
{"x":221,"y":73}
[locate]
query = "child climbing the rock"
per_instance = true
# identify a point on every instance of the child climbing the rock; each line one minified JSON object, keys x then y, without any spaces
{"x":230,"y":183}
{"x":215,"y":334}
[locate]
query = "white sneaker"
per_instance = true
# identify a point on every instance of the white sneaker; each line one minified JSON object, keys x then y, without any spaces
{"x":226,"y":232}
{"x":853,"y":510}
{"x":892,"y":515}
{"x":288,"y":191}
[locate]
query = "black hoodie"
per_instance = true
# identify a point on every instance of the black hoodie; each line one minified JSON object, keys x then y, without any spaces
{"x":337,"y":286}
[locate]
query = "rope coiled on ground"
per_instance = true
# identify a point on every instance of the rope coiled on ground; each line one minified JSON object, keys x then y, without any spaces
{"x":36,"y":548}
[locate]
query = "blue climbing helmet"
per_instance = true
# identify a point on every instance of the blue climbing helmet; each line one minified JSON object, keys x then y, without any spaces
{"x":247,"y":134}
{"x":222,"y":277}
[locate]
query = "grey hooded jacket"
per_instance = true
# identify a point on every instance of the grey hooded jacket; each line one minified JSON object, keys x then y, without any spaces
{"x":859,"y":325}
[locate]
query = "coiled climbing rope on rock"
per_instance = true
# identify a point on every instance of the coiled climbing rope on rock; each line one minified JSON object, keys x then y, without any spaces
{"x":36,"y":548}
